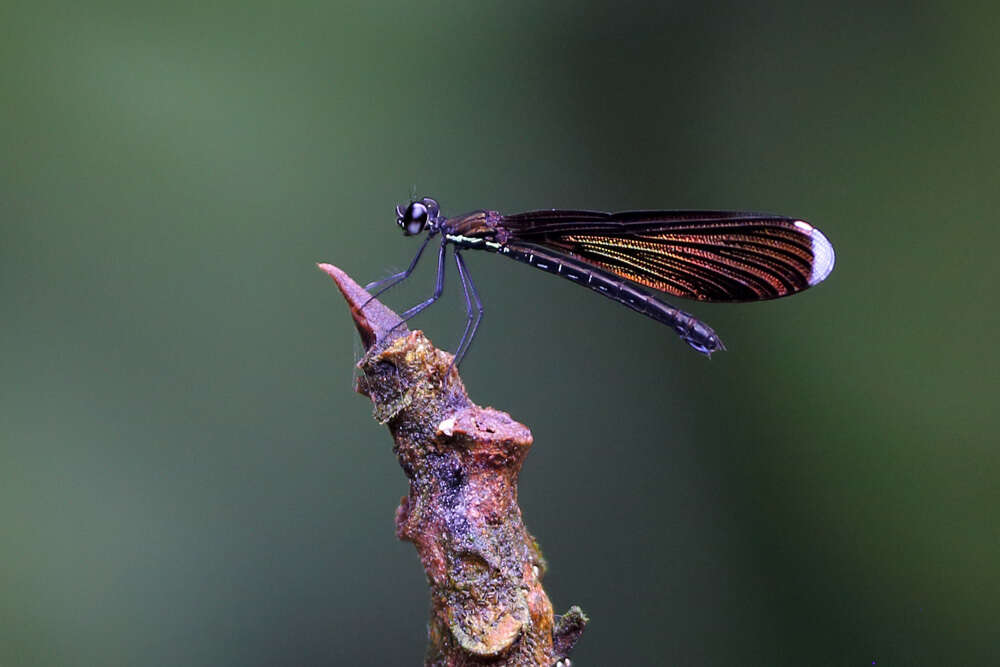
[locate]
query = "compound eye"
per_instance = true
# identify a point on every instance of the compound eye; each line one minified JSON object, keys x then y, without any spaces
{"x":414,"y":219}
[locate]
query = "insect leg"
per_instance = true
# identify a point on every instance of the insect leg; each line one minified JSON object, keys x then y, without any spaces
{"x":438,"y":287}
{"x":472,"y":319}
{"x":396,"y":278}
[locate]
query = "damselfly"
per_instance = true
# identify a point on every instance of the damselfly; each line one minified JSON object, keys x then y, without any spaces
{"x":721,"y":256}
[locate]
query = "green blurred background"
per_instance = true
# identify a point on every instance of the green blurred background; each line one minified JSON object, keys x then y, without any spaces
{"x":187,"y":478}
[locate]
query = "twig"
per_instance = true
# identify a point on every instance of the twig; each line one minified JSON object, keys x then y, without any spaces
{"x":483,"y":567}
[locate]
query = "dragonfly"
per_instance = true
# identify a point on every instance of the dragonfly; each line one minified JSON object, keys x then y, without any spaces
{"x":629,"y":257}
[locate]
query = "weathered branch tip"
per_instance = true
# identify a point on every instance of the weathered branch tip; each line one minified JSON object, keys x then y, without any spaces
{"x":484,"y":569}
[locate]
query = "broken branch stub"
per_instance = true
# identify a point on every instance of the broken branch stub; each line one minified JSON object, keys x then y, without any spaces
{"x":484,"y":569}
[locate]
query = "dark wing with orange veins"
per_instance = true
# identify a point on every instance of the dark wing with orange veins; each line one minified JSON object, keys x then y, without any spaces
{"x":703,"y":255}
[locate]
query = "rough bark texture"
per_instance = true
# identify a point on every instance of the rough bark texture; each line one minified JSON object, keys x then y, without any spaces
{"x":484,"y":569}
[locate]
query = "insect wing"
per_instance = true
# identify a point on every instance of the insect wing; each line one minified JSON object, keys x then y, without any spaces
{"x":703,"y":255}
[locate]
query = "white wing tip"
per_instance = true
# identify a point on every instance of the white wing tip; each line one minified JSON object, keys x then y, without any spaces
{"x":823,"y":256}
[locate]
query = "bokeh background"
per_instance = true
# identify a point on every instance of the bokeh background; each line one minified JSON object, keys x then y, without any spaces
{"x":187,"y":478}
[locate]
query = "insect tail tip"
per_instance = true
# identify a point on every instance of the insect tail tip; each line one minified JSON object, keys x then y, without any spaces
{"x":707,"y":350}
